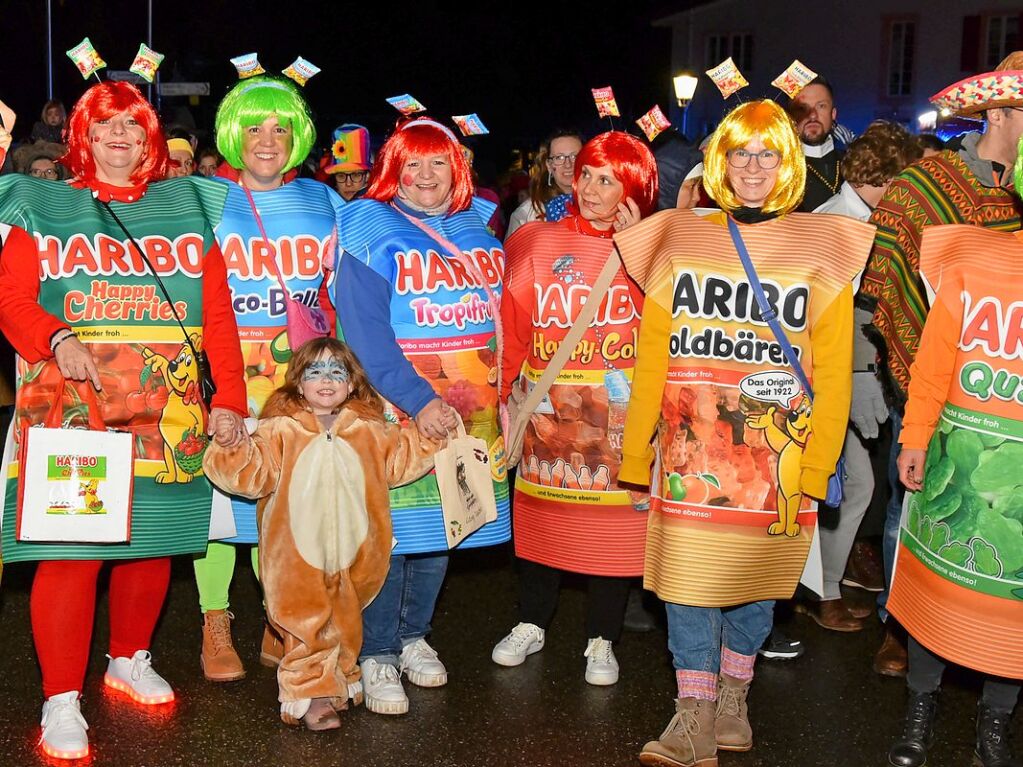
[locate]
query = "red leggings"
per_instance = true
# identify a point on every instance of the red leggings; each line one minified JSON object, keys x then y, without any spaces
{"x":64,"y":608}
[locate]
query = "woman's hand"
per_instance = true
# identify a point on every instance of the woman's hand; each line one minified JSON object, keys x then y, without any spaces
{"x":436,"y":419}
{"x":628,"y":214}
{"x":76,"y":362}
{"x":227,"y":427}
{"x":911,"y":468}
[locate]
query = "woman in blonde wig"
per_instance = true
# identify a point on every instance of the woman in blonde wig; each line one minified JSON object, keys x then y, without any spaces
{"x":739,"y":461}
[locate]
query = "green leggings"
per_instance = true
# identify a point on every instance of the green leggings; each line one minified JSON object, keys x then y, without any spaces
{"x":214,"y":572}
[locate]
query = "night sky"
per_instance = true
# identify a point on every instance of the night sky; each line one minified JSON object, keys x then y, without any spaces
{"x":524,"y":67}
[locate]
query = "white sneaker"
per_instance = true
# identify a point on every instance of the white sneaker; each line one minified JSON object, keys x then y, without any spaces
{"x":419,"y":662}
{"x":64,"y":728}
{"x":525,"y":639}
{"x":381,"y":684}
{"x":601,"y":663}
{"x":135,"y":677}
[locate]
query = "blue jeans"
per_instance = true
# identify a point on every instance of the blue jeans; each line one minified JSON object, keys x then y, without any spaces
{"x":893,"y":514}
{"x":402,"y":611}
{"x":697,"y":634}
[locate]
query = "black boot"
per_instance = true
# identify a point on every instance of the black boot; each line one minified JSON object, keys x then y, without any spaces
{"x":994,"y":744}
{"x":911,"y":749}
{"x":637,"y":617}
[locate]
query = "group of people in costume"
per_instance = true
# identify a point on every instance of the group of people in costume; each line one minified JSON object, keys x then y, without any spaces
{"x":317,"y":349}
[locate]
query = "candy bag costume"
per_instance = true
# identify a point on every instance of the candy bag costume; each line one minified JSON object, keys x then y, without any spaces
{"x":569,"y":511}
{"x":300,"y":218}
{"x":422,"y":328}
{"x":737,"y":442}
{"x":325,"y":530}
{"x":67,"y":263}
{"x":958,"y":588}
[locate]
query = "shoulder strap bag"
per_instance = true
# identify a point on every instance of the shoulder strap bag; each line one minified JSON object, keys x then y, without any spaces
{"x":837,"y":480}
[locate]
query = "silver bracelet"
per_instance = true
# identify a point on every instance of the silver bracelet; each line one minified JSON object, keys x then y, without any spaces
{"x":61,"y":339}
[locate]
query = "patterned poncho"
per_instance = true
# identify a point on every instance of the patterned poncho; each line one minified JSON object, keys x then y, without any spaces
{"x":936,"y":190}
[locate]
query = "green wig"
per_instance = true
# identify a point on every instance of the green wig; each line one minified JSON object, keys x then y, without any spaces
{"x":252,"y":101}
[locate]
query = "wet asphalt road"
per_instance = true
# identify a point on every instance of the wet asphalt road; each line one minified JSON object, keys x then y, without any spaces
{"x":827,"y":708}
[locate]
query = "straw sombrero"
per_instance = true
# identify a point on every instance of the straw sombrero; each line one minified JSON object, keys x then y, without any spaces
{"x":1001,"y":88}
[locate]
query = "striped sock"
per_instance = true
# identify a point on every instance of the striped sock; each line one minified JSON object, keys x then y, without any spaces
{"x":737,"y":666}
{"x":697,"y":684}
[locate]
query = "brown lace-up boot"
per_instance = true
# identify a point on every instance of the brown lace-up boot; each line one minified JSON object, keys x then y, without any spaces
{"x":731,"y":724}
{"x":688,"y":740}
{"x":219,"y":661}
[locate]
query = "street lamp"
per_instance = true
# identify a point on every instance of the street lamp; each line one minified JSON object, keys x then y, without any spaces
{"x":685,"y":87}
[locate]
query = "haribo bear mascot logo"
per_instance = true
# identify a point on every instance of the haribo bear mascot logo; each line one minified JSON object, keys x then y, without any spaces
{"x":181,"y":420}
{"x":788,"y":443}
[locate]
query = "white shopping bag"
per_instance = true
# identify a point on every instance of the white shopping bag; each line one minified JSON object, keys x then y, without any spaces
{"x":75,"y":485}
{"x":466,"y":487}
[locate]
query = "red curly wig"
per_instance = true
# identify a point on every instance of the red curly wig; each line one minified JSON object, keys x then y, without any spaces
{"x":633,"y":165}
{"x":421,"y":137}
{"x":103,"y":101}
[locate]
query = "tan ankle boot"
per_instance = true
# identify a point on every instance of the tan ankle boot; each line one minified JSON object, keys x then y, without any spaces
{"x":272,"y":649}
{"x":219,"y":661}
{"x":731,"y":724}
{"x":688,"y":740}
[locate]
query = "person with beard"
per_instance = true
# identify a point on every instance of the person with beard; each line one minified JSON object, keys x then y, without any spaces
{"x":813,"y":110}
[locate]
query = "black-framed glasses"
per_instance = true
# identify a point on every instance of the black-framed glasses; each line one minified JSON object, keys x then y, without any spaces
{"x":767,"y":159}
{"x":356,"y":176}
{"x":43,"y":173}
{"x":564,"y":159}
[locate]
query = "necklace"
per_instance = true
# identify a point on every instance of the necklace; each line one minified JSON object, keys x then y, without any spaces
{"x":831,"y":185}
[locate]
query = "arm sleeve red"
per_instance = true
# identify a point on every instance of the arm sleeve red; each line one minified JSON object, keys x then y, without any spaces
{"x":516,"y":314}
{"x":220,"y":336}
{"x":26,"y":324}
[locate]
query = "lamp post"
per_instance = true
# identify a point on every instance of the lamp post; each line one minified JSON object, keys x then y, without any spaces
{"x":685,"y":87}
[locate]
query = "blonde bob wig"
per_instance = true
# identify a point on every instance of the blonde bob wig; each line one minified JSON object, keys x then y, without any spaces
{"x":768,"y":121}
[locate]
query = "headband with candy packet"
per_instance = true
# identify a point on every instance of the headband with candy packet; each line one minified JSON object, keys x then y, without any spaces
{"x":89,"y":62}
{"x":300,"y":70}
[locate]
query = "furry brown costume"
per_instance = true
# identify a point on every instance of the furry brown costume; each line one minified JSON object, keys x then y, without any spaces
{"x":324,"y":530}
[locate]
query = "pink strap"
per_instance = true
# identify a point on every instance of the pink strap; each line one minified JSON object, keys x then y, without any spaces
{"x":273,"y":250}
{"x":470,"y":265}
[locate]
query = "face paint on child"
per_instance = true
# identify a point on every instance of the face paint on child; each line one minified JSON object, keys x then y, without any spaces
{"x":325,"y":385}
{"x":330,"y":370}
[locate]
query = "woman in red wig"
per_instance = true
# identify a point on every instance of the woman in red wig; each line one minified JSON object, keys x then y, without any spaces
{"x":65,"y":275}
{"x":570,"y":513}
{"x":415,"y":294}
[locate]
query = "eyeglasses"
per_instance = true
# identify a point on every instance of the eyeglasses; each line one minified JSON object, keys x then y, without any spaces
{"x":356,"y":177}
{"x":564,"y":159}
{"x":767,"y":159}
{"x":43,"y":173}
